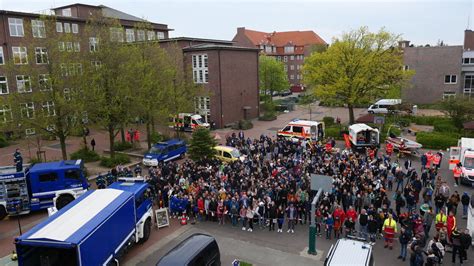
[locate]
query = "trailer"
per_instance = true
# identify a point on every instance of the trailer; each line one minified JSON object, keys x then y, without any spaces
{"x":95,"y":229}
{"x":363,"y":136}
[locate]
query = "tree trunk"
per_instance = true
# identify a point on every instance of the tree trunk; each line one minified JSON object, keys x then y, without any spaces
{"x":84,"y":139}
{"x":62,"y":141}
{"x":153,"y":124}
{"x":351,"y":114}
{"x":122,"y":134}
{"x":111,"y":130}
{"x":148,"y":134}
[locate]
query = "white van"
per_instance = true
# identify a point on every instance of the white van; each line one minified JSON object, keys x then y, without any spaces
{"x":362,"y":135}
{"x":384,"y":106}
{"x":352,"y":252}
{"x":303,"y":129}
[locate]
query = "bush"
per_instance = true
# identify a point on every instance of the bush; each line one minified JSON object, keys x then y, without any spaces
{"x":429,"y":120}
{"x":121,"y":146}
{"x":3,"y":142}
{"x":86,"y":155}
{"x":328,"y":121}
{"x":437,"y":140}
{"x":156,"y":137}
{"x":445,"y":127}
{"x":268,"y":117}
{"x":264,"y":98}
{"x":335,"y":132}
{"x":243,"y":124}
{"x":268,"y":107}
{"x":112,"y":162}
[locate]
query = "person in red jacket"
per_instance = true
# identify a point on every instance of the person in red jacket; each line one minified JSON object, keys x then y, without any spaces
{"x":200,"y":205}
{"x":451,"y":225}
{"x":339,"y":217}
{"x":351,"y":213}
{"x":389,"y":149}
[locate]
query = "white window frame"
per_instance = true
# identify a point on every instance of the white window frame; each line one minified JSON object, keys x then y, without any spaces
{"x":23,"y":83}
{"x":67,"y":94}
{"x":64,"y":70}
{"x":451,"y":79}
{"x":289,"y":49}
{"x":67,"y":28}
{"x":141,"y":36}
{"x":116,"y":34}
{"x":21,"y":53}
{"x":48,"y":106}
{"x":292,"y":76}
{"x":93,"y":44}
{"x":160,"y":35}
{"x":292,"y":67}
{"x":43,"y":55}
{"x":59,"y":27}
{"x":2,"y":57}
{"x":268,"y":49}
{"x":27,"y":110}
{"x":44,"y":82}
{"x":75,"y":28}
{"x":4,"y":111}
{"x":69,"y":47}
{"x":61,"y":46}
{"x":151,"y":35}
{"x":4,"y":85}
{"x":77,"y":46}
{"x":449,"y":94}
{"x":292,"y":57}
{"x":38,"y":28}
{"x":66,"y":12}
{"x":285,"y":58}
{"x":200,"y":68}
{"x":15,"y":26}
{"x":130,"y":35}
{"x":285,"y":67}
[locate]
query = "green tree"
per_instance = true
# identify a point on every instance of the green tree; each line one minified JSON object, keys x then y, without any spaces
{"x":357,"y":68}
{"x":460,"y":109}
{"x":272,"y":75}
{"x":202,"y":145}
{"x":47,"y":100}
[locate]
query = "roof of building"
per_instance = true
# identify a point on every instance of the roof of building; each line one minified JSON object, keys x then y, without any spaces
{"x":211,"y":46}
{"x":114,"y":13}
{"x":72,"y":224}
{"x":177,"y":39}
{"x":282,"y":38}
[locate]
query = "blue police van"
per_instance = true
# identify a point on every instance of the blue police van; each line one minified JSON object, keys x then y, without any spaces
{"x":165,"y":151}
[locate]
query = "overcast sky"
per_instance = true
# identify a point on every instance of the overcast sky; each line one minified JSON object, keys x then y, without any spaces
{"x":421,"y":21}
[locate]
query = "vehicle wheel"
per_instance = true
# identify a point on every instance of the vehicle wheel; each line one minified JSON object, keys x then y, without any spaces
{"x":371,"y":112}
{"x":146,"y":230}
{"x":3,"y":212}
{"x":63,"y":200}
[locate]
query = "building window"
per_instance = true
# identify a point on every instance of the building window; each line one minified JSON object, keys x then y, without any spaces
{"x":3,"y":85}
{"x":450,"y":79}
{"x":160,"y":35}
{"x":48,"y":108}
{"x":27,"y":110}
{"x":23,"y":83}
{"x":285,"y":58}
{"x":200,"y":70}
{"x":75,"y":28}
{"x":140,"y":35}
{"x":279,"y":58}
{"x":289,"y":49}
{"x":292,"y":67}
{"x":66,"y":12}
{"x":151,"y":35}
{"x":6,"y":114}
{"x":116,"y":34}
{"x":77,"y":47}
{"x":297,"y":76}
{"x":292,"y":57}
{"x":64,"y":71}
{"x":292,"y":76}
{"x":41,"y":55}
{"x":44,"y":82}
{"x":69,"y":46}
{"x":285,"y":67}
{"x":62,"y":46}
{"x":130,"y":35}
{"x":67,"y":94}
{"x":30,"y":131}
{"x":268,"y":49}
{"x":93,"y":44}
{"x":96,"y":64}
{"x":2,"y":59}
{"x":67,"y":28}
{"x":16,"y":27}
{"x":20,"y":56}
{"x":449,"y":95}
{"x":59,"y":27}
{"x":39,"y":30}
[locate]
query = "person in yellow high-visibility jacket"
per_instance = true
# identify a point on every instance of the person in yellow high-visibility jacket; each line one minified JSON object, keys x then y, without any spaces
{"x":390,"y":229}
{"x":440,"y":220}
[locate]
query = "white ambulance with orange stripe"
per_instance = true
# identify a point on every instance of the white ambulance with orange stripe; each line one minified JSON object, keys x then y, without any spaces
{"x":303,"y":129}
{"x":464,"y":154}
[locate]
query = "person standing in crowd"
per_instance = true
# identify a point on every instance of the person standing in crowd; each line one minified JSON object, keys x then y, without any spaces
{"x":465,"y":200}
{"x":457,"y":171}
{"x":291,"y":215}
{"x":451,"y":225}
{"x":243,"y":217}
{"x":18,"y":160}
{"x":404,"y":238}
{"x":390,"y":229}
{"x":329,"y":221}
{"x":372,"y":227}
{"x":280,"y":218}
{"x":363,"y":221}
{"x":466,"y":241}
{"x":428,"y":218}
{"x":437,"y":160}
{"x":272,"y":216}
{"x":93,"y":144}
{"x":457,"y":247}
{"x":250,"y":216}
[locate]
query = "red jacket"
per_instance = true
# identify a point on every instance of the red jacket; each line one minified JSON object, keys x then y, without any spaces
{"x":352,"y":214}
{"x":201,"y":204}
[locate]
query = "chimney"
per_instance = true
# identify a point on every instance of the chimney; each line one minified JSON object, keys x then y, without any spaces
{"x":240,"y":29}
{"x":468,"y":40}
{"x":403,"y":44}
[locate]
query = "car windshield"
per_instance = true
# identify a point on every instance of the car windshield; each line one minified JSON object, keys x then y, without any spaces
{"x":156,"y":150}
{"x":235,"y":153}
{"x":198,"y":121}
{"x":469,"y":162}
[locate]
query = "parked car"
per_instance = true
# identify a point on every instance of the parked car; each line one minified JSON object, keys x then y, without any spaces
{"x":286,"y":93}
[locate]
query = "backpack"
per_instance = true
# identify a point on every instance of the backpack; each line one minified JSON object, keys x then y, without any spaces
{"x":437,"y":252}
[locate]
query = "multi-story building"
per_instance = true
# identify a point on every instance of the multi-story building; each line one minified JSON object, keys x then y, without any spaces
{"x":229,"y":75}
{"x":437,"y":72}
{"x":289,"y":47}
{"x":467,"y":67}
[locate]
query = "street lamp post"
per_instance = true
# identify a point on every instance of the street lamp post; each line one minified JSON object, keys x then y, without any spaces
{"x":18,"y":207}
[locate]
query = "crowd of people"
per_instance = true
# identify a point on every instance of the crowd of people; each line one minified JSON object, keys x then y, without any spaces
{"x":374,"y":196}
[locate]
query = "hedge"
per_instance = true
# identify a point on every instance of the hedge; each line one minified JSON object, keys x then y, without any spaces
{"x":437,"y":140}
{"x":121,"y":146}
{"x":445,"y":127}
{"x":333,"y":132}
{"x":328,"y":121}
{"x":268,"y":117}
{"x":429,"y":120}
{"x":86,"y":155}
{"x":3,"y":142}
{"x":112,"y":162}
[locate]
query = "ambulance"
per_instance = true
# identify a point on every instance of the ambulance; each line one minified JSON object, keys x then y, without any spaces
{"x":189,"y":122}
{"x":303,"y":129}
{"x":362,"y":136}
{"x":464,"y":154}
